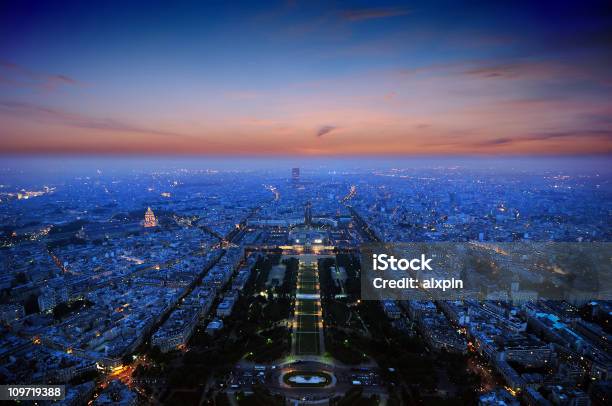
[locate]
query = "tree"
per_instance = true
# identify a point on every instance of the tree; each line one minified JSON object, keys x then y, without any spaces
{"x":20,"y":279}
{"x":126,"y":359}
{"x":31,"y":305}
{"x":61,"y":310}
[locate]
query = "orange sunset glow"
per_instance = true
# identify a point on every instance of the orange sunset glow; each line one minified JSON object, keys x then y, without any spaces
{"x":305,"y":79}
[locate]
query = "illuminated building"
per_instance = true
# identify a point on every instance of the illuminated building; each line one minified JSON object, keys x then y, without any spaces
{"x":149,"y":219}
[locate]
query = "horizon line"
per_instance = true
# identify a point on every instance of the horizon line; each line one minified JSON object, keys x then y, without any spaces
{"x":169,"y":154}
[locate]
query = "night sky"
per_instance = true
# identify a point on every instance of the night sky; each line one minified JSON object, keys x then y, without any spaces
{"x":306,"y":78}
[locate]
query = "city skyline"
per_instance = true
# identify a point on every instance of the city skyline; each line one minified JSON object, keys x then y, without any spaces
{"x":310,"y":79}
{"x":341,"y":202}
{"x":143,"y":281}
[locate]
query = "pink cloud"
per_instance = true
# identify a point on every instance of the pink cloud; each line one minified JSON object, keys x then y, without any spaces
{"x":374,"y":13}
{"x":19,"y":76}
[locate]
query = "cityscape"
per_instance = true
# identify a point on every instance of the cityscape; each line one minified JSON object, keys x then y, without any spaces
{"x":198,"y":285}
{"x":306,"y":203}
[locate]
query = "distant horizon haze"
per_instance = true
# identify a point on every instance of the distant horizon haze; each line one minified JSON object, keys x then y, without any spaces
{"x":38,"y":166}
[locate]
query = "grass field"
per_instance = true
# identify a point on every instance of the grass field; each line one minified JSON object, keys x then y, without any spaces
{"x":307,"y":307}
{"x":307,"y":343}
{"x":308,"y":324}
{"x":308,"y":275}
{"x":307,"y":282}
{"x":308,"y":288}
{"x":307,"y":329}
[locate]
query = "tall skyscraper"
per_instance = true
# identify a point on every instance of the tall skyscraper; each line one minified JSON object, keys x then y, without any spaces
{"x":295,"y":175}
{"x":149,"y":219}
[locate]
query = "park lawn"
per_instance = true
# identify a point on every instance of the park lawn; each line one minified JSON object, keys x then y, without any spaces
{"x":307,"y":343}
{"x":307,"y":306}
{"x":308,"y":275}
{"x":307,"y":332}
{"x":308,"y":288}
{"x":308,"y":324}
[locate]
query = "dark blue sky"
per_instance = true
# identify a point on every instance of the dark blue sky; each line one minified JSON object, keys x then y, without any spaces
{"x":312,"y":78}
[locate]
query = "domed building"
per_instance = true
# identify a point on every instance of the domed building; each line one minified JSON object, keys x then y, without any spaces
{"x":149,"y":218}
